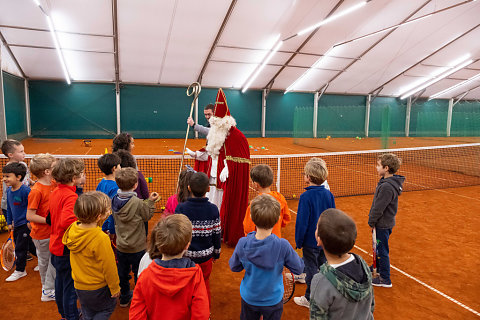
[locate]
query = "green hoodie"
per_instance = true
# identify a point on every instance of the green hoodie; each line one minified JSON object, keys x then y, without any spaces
{"x":335,"y":295}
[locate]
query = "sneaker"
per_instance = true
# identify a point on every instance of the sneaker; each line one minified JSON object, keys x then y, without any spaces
{"x":16,"y":275}
{"x":380,"y":282}
{"x":300,"y":278}
{"x":48,"y":295}
{"x":125,"y":300}
{"x":302,"y":301}
{"x":36,"y":269}
{"x":29,"y":257}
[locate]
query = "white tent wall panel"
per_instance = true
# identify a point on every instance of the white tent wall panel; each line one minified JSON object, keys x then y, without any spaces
{"x":7,"y":62}
{"x":83,"y":42}
{"x":87,"y":66}
{"x":86,"y":16}
{"x":23,"y":13}
{"x":247,"y":56}
{"x":39,"y":63}
{"x":267,"y":73}
{"x":193,"y":34}
{"x":27,"y":37}
{"x":143,"y":32}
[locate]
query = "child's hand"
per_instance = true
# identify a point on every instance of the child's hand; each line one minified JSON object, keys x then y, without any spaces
{"x":154,"y":196}
{"x":10,"y":227}
{"x":29,"y":225}
{"x":116,"y":295}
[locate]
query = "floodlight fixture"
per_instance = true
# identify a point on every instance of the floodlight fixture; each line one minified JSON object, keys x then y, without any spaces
{"x":458,"y":85}
{"x":275,"y":47}
{"x":57,"y":47}
{"x":436,"y":79}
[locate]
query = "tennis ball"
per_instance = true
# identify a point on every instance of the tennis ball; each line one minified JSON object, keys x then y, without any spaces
{"x":294,"y":196}
{"x":163,"y":208}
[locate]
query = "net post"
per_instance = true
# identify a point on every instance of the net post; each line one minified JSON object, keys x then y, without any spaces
{"x":315,"y":113}
{"x":278,"y":173}
{"x":264,"y":110}
{"x":449,"y":117}
{"x":407,"y":117}
{"x":367,"y":114}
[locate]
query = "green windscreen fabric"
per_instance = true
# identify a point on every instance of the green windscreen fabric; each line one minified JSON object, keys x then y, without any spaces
{"x":466,"y":119}
{"x":75,"y":111}
{"x":341,"y":121}
{"x":303,"y":122}
{"x":429,"y":118}
{"x":281,"y":110}
{"x":15,"y":109}
{"x":396,"y":117}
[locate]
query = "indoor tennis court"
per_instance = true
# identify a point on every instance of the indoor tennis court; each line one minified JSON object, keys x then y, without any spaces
{"x":343,"y":80}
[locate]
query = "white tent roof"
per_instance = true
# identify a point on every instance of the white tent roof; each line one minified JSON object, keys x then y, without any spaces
{"x":177,"y":42}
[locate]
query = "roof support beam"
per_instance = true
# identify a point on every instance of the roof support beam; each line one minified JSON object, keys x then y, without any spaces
{"x":463,"y":95}
{"x":57,"y":31}
{"x":378,"y":41}
{"x":53,"y":48}
{"x":428,"y":56}
{"x":217,"y":38}
{"x":7,"y":47}
{"x":270,"y":83}
{"x":117,"y":65}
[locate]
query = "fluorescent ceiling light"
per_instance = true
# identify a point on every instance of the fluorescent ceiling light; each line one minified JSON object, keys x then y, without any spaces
{"x":434,"y":74}
{"x":315,"y":65}
{"x":264,"y":63}
{"x":59,"y":51}
{"x":435,"y":80}
{"x":37,"y":3}
{"x":454,"y":87}
{"x":333,"y":17}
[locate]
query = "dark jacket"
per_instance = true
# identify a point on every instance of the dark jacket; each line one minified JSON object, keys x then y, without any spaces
{"x":385,"y":202}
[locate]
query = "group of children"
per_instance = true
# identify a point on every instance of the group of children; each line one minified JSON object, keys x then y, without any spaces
{"x":76,"y":260}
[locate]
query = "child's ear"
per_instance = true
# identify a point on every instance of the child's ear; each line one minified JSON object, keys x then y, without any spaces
{"x":319,"y":241}
{"x":189,"y":190}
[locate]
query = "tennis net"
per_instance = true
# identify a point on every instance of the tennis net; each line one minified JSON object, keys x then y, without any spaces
{"x":350,"y":173}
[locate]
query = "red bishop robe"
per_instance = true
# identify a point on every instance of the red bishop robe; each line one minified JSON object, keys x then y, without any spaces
{"x":236,"y":187}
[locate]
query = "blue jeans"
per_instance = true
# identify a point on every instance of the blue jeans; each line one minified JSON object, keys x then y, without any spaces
{"x":127,"y":262}
{"x":97,"y":304}
{"x":65,"y":295}
{"x":313,"y":258}
{"x":383,"y":251}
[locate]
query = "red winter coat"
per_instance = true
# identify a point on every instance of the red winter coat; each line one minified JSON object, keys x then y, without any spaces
{"x":170,"y":294}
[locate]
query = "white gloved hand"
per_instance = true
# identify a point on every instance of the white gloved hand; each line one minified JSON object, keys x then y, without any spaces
{"x":190,"y":153}
{"x":224,"y":173}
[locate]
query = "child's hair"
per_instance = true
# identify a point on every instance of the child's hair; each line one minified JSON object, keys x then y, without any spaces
{"x":199,"y":184}
{"x":40,"y":163}
{"x":391,"y":160}
{"x":121,"y":141}
{"x":126,"y":159}
{"x":183,"y":182}
{"x":66,"y":169}
{"x":8,"y":146}
{"x":262,"y":174}
{"x":126,"y":178}
{"x":337,"y":231}
{"x":170,"y":236}
{"x":16,"y":168}
{"x":265,"y":211}
{"x":316,"y":170}
{"x":90,"y":205}
{"x":107,"y":162}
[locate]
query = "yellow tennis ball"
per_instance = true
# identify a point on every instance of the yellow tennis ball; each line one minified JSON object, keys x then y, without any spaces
{"x":294,"y":196}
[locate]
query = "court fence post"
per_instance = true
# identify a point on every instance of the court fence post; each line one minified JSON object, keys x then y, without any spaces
{"x":449,"y":117}
{"x":367,"y":114}
{"x":27,"y":109}
{"x":315,"y":113}
{"x":278,"y":174}
{"x":264,"y":110}
{"x":407,"y":117}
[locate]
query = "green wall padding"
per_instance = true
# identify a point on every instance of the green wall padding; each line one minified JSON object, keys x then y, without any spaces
{"x":397,"y":111}
{"x":466,"y":119}
{"x":341,"y":121}
{"x":76,"y":111}
{"x":429,"y":118}
{"x":281,"y":109}
{"x":15,"y":110}
{"x":303,"y":122}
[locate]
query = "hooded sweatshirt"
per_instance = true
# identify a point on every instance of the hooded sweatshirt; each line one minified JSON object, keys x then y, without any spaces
{"x":92,"y":259}
{"x":169,"y":290}
{"x":130,"y":214}
{"x":342,"y":293}
{"x":263,"y":261}
{"x":385,"y":202}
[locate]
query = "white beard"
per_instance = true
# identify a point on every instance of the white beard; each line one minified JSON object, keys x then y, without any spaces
{"x":219,"y":128}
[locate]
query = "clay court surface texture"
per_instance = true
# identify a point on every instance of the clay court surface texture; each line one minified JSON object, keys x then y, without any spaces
{"x":433,"y":248}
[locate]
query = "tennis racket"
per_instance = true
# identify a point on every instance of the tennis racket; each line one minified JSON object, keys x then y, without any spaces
{"x":7,"y":253}
{"x":374,"y":252}
{"x":288,"y":284}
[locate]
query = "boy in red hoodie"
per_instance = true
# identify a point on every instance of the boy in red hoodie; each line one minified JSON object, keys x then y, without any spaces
{"x":68,"y":173}
{"x":172,"y":287}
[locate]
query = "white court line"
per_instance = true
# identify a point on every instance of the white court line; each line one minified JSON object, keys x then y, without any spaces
{"x":423,"y":284}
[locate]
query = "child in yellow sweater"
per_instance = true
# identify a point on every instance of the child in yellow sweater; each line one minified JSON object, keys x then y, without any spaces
{"x":94,"y":270}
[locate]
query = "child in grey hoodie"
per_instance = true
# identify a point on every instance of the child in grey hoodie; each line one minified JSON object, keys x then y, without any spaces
{"x":130,"y":214}
{"x":342,"y":289}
